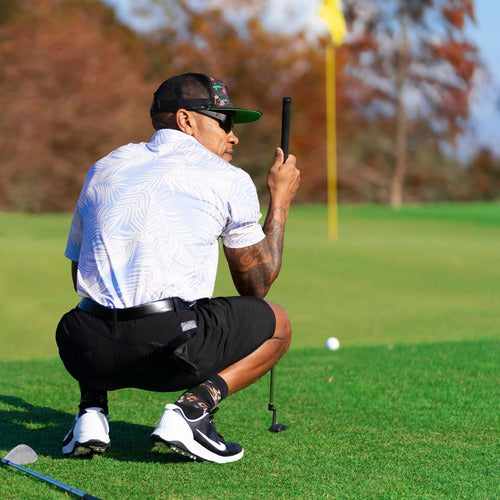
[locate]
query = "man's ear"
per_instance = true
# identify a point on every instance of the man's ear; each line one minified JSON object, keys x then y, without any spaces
{"x":185,"y":121}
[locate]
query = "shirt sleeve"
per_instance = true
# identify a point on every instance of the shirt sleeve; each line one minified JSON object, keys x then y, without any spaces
{"x":74,"y":243}
{"x":243,"y":228}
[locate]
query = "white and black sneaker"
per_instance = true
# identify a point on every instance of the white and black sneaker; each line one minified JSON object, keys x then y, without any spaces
{"x":88,"y":435}
{"x":197,"y":438}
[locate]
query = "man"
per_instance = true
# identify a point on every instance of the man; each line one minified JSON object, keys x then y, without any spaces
{"x":143,"y":246}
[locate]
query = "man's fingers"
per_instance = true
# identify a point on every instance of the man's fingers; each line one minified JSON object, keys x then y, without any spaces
{"x":279,"y":156}
{"x":291,"y":162}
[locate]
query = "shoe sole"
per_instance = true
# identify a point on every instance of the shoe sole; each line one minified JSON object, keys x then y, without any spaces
{"x":181,"y":449}
{"x":179,"y":437}
{"x":89,"y":449}
{"x":175,"y":447}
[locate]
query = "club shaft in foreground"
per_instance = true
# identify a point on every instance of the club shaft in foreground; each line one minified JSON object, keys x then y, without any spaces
{"x":54,"y":482}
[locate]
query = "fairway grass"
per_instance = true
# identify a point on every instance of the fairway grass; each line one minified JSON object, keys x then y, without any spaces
{"x":413,"y":421}
{"x":420,"y":274}
{"x":408,"y":407}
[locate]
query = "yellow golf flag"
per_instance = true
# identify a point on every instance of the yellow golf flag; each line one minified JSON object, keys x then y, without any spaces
{"x":331,"y":12}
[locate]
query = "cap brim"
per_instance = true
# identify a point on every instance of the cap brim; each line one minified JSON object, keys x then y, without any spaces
{"x":240,"y":115}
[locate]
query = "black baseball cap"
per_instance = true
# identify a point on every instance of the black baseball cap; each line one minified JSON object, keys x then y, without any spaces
{"x":195,"y":91}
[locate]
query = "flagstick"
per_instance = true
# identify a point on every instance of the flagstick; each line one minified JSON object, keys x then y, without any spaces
{"x":331,"y":142}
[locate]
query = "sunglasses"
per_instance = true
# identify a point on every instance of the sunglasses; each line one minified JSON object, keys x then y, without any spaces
{"x":225,"y":120}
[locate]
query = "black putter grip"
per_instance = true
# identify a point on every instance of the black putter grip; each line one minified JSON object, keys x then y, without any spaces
{"x":285,"y":125}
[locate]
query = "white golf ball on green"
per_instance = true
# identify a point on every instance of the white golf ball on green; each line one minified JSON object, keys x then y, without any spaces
{"x":332,"y":343}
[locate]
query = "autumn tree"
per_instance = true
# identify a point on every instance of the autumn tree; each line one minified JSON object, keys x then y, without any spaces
{"x":414,"y":60}
{"x":485,"y":175}
{"x":76,"y":83}
{"x":72,"y":87}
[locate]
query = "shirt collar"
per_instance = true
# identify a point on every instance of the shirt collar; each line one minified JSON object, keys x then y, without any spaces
{"x":166,"y":134}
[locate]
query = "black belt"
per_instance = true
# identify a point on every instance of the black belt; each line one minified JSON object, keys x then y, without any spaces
{"x":131,"y":313}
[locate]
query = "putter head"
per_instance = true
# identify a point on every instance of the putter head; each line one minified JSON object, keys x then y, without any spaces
{"x":275,"y":427}
{"x":21,"y":454}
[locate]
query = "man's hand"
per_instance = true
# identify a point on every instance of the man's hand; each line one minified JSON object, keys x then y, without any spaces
{"x":283,"y":179}
{"x":254,"y":268}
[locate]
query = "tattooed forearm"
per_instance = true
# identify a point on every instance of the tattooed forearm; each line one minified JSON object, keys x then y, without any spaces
{"x":255,"y":268}
{"x":274,"y":228}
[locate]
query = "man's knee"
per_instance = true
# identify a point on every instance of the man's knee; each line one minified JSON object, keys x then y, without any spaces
{"x":283,"y":330}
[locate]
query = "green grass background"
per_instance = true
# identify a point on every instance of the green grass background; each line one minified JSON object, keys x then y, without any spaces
{"x":407,"y":408}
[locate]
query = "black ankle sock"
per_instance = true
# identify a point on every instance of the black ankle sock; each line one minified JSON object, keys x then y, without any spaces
{"x":90,"y":398}
{"x":203,"y":397}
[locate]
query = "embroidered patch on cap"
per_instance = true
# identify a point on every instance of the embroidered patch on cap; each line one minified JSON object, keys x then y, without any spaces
{"x":221,"y":97}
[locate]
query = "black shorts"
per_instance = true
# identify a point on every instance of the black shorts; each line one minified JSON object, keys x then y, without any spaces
{"x":165,"y":352}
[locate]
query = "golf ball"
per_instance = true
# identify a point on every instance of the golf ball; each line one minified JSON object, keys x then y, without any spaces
{"x":332,"y":343}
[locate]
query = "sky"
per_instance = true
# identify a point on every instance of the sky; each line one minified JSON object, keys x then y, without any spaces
{"x":485,"y":102}
{"x":485,"y":99}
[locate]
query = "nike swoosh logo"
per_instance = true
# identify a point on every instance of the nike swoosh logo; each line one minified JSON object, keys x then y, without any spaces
{"x":217,"y":445}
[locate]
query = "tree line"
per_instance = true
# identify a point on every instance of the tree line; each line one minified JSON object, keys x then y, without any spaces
{"x":77,"y":83}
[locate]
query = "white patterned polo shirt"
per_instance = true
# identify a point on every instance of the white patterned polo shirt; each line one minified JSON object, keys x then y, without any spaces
{"x":148,"y":219}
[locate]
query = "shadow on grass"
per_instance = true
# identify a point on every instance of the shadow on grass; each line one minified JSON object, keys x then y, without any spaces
{"x":43,"y":429}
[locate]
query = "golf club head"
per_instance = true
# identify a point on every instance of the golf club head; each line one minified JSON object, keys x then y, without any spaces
{"x":21,"y":454}
{"x":275,"y":427}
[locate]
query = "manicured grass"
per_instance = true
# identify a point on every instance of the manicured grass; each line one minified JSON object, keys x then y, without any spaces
{"x":407,"y":408}
{"x":414,"y":421}
{"x":421,"y":274}
{"x":35,"y":284}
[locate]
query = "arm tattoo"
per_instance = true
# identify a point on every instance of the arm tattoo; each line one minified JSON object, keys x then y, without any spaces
{"x":250,"y":268}
{"x":274,"y":228}
{"x":255,"y":268}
